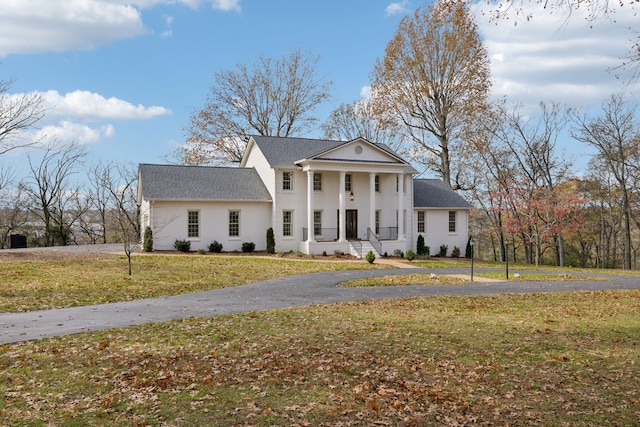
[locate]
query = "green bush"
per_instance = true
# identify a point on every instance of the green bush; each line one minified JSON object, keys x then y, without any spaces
{"x":248,"y":246}
{"x":182,"y":245}
{"x":370,"y":257}
{"x":271,"y":241}
{"x":410,"y":255}
{"x":420,"y":248}
{"x":443,"y":250}
{"x":215,"y":247}
{"x":147,"y":240}
{"x":455,"y":253}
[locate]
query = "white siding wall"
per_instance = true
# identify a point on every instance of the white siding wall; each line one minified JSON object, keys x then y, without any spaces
{"x":170,"y":223}
{"x":437,"y":230}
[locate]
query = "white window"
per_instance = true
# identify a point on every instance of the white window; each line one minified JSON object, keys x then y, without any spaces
{"x":317,"y":182}
{"x":378,"y":216}
{"x":317,"y":223}
{"x":234,"y":223}
{"x":287,"y":180}
{"x":193,"y":224}
{"x":377,"y":183}
{"x":347,"y":182}
{"x":452,"y":221}
{"x":287,"y":223}
{"x":421,"y":215}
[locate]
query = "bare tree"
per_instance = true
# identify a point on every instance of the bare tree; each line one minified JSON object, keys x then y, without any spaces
{"x":13,"y":211}
{"x":435,"y":80}
{"x":49,"y":190}
{"x":350,"y":121}
{"x":615,"y":135}
{"x":272,"y":97}
{"x":17,"y":113}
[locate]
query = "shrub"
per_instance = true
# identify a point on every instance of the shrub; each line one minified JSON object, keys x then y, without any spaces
{"x":410,"y":255}
{"x":370,"y":257}
{"x":182,"y":245}
{"x":324,"y":253}
{"x":398,"y":252}
{"x":455,"y":253}
{"x":201,"y":251}
{"x":271,"y":241}
{"x":338,"y":253}
{"x":427,"y":251}
{"x":248,"y":246}
{"x":443,"y":250}
{"x":420,"y":245}
{"x":215,"y":247}
{"x":147,"y":240}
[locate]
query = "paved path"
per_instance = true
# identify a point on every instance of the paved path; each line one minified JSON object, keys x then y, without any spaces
{"x":301,"y":290}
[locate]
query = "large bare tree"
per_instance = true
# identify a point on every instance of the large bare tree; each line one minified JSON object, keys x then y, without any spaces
{"x":615,"y":134}
{"x":18,"y":112}
{"x":51,"y":191}
{"x":434,"y":79}
{"x":271,"y":97}
{"x":358,"y":119}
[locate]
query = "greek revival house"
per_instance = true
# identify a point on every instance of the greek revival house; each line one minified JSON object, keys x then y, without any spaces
{"x":317,"y":196}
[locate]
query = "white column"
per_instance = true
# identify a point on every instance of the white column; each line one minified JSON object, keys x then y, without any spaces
{"x":372,"y":202}
{"x":341,"y":216}
{"x":310,"y":227}
{"x":401,"y":207}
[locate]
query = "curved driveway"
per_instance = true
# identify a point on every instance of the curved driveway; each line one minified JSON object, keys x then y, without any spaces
{"x":301,"y":290}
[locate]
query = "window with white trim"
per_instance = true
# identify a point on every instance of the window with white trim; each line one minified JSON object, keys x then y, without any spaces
{"x":347,"y":182}
{"x":452,"y":221}
{"x":234,"y":223}
{"x":317,"y":223}
{"x":317,"y":182}
{"x":378,"y":216}
{"x":193,"y":224}
{"x":287,"y":180}
{"x":377,"y":183}
{"x":287,"y":223}
{"x":421,"y":215}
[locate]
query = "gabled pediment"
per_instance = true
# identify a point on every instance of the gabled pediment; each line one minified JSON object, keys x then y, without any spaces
{"x":357,"y":151}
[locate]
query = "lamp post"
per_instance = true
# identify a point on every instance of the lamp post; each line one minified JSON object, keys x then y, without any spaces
{"x":471,"y":244}
{"x":506,"y":258}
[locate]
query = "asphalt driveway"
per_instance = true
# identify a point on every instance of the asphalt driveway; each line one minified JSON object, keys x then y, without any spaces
{"x":301,"y":290}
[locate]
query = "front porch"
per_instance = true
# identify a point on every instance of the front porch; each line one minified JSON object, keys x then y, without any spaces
{"x":326,"y":240}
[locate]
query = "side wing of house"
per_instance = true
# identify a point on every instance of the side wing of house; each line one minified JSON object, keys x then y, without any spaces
{"x":203,"y":205}
{"x":441,"y":216}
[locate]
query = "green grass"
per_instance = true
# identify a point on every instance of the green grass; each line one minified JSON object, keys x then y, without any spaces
{"x":519,"y":360}
{"x":34,"y":285}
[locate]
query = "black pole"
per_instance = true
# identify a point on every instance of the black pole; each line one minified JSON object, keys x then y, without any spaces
{"x":471,"y":260}
{"x":506,"y":258}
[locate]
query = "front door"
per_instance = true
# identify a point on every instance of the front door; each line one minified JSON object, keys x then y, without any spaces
{"x":352,"y":223}
{"x":351,"y":220}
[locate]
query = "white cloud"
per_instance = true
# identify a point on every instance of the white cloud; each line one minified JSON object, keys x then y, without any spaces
{"x":32,"y":26}
{"x":396,"y":8}
{"x":84,"y":117}
{"x":67,"y":132}
{"x":550,"y":58}
{"x":85,"y":105}
{"x":36,"y":26}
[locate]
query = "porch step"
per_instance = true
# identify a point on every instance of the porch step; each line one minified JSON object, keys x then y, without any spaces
{"x":366,"y":247}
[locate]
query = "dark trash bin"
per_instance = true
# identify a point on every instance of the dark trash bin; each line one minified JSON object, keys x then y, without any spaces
{"x":17,"y":241}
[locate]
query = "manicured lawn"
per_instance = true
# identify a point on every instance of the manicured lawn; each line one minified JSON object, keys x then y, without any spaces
{"x":518,"y":360}
{"x":35,"y":284}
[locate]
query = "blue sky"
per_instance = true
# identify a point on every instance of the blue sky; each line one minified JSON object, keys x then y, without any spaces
{"x":122,"y":77}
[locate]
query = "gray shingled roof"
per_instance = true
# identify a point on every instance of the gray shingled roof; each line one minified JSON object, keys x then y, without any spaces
{"x":172,"y":182}
{"x":434,"y":193}
{"x":284,"y":152}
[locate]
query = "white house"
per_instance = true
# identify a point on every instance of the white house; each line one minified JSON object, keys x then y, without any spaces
{"x":318,"y":196}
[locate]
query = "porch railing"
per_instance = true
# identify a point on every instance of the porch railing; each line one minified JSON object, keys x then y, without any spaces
{"x":321,"y":235}
{"x":373,"y":239}
{"x":387,"y":233}
{"x":357,"y":245}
